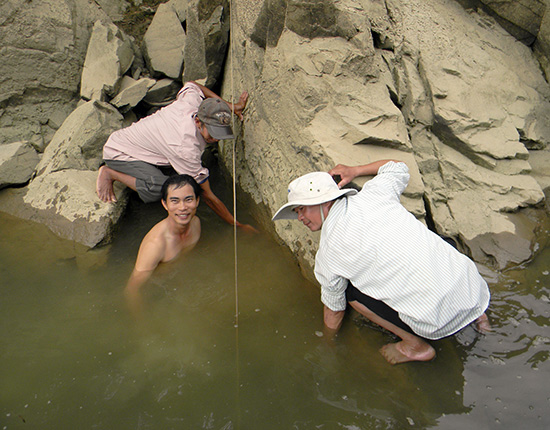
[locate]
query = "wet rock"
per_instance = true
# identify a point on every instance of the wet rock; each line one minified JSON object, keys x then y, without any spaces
{"x":17,"y":163}
{"x":164,"y":42}
{"x":109,"y":56}
{"x":78,"y":144}
{"x":66,"y":202}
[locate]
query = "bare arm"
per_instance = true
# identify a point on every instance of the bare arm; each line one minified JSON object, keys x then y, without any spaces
{"x":333,"y":320}
{"x":219,"y":208}
{"x":149,"y":256}
{"x":349,"y":173}
{"x":237,"y":108}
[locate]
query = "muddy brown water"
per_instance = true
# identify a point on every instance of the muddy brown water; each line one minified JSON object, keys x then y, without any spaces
{"x":73,"y":355}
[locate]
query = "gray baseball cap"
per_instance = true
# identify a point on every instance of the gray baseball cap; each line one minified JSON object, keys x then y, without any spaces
{"x":216,"y":116}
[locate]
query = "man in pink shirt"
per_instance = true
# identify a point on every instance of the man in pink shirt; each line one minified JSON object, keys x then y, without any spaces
{"x":142,"y":155}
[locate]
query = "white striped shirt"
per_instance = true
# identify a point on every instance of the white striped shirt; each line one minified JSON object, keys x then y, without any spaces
{"x":371,"y":240}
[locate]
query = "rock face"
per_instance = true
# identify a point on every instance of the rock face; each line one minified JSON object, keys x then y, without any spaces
{"x":442,"y":88}
{"x":42,"y":50}
{"x":526,"y":20}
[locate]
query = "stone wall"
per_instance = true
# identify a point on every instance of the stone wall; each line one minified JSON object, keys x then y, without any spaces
{"x":442,"y":88}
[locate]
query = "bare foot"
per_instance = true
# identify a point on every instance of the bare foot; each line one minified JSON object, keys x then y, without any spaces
{"x":396,"y":353}
{"x":482,"y":324}
{"x":104,"y":185}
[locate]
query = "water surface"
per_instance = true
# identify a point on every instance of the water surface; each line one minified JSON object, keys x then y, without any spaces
{"x":74,"y":356}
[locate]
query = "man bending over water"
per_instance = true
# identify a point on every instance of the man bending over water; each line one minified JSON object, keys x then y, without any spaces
{"x":377,"y":256}
{"x":178,"y":232}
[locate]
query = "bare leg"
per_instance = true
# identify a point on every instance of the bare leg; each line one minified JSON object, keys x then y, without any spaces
{"x":105,"y":179}
{"x":482,"y":324}
{"x":410,"y":348}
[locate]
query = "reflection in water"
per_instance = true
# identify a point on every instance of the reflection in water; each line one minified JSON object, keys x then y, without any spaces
{"x":74,"y":357}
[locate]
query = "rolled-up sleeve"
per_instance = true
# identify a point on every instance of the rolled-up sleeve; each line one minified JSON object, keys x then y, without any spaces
{"x":392,"y":176}
{"x":333,"y":287}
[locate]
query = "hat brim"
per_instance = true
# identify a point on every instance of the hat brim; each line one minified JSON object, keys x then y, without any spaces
{"x":220,"y":132}
{"x":287,"y":210}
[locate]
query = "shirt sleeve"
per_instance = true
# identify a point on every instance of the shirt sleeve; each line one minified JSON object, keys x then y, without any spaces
{"x":333,"y":287}
{"x":192,"y":93}
{"x":392,"y":178}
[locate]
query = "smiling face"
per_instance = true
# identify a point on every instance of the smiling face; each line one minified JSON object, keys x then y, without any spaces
{"x":181,"y":204}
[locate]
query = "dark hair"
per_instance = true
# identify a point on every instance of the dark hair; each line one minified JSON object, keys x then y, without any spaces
{"x":179,"y":181}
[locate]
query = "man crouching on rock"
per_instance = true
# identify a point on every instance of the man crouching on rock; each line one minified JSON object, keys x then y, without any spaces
{"x":178,"y":232}
{"x":377,"y":256}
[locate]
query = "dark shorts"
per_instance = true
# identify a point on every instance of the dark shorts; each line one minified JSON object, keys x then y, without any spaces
{"x":378,"y":307}
{"x":149,"y":178}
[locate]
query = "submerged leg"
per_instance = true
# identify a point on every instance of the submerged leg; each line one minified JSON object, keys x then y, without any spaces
{"x":410,"y":348}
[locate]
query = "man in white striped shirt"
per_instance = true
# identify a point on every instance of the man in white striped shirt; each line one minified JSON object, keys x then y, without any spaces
{"x":389,"y":266}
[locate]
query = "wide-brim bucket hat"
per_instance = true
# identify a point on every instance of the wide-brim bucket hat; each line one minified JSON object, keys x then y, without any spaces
{"x":312,"y":189}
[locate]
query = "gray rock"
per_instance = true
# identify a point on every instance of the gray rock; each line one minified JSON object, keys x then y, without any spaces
{"x":131,"y":92}
{"x":66,"y":202}
{"x":521,"y":18}
{"x":163,"y":92}
{"x":207,"y":24}
{"x":352,"y":87}
{"x":542,"y":44}
{"x":114,"y":8}
{"x":17,"y":163}
{"x":109,"y":56}
{"x":78,"y":144}
{"x":43,"y":47}
{"x":164,"y":42}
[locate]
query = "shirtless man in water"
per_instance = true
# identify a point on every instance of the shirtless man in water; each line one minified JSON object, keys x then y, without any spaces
{"x":178,"y":232}
{"x":376,"y":256}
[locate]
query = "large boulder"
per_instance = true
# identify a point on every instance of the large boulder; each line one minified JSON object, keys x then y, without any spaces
{"x":109,"y":56}
{"x":207,"y":24}
{"x":131,"y":92}
{"x":444,"y":89}
{"x":43,"y":48}
{"x":164,"y":42}
{"x":65,"y":201}
{"x":17,"y":163}
{"x":62,"y":195}
{"x":78,"y":144}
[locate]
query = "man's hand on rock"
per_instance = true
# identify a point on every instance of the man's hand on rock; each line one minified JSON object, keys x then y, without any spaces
{"x":240,"y":105}
{"x":346,"y":173}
